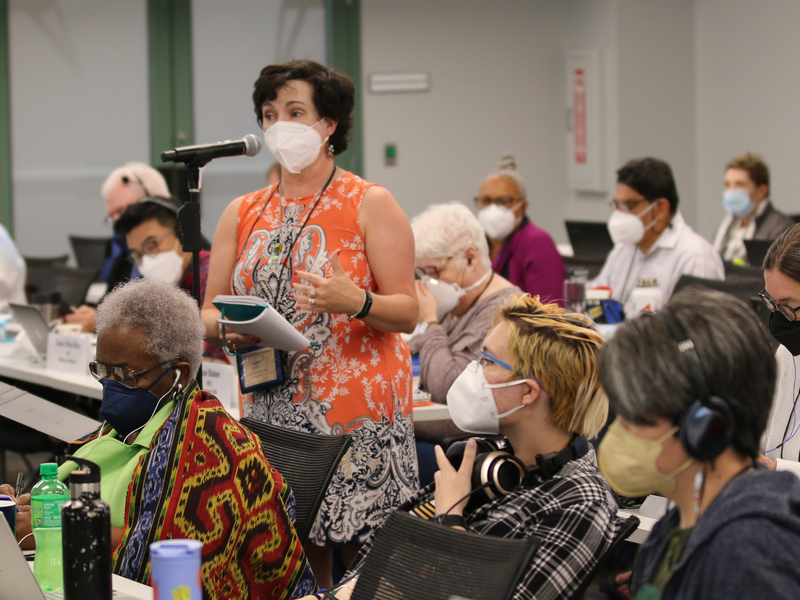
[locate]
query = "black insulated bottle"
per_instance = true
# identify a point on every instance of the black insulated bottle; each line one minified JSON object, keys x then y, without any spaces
{"x":86,"y":536}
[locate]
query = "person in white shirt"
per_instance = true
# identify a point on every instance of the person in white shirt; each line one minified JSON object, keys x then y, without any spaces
{"x":781,"y":441}
{"x":651,"y":239}
{"x":750,"y":213}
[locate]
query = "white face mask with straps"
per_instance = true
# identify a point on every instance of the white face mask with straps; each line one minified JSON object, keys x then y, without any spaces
{"x":471,"y":401}
{"x":294,"y":145}
{"x":448,"y":295}
{"x":628,"y":227}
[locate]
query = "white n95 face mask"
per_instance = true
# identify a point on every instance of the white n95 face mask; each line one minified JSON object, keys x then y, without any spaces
{"x":498,"y":222}
{"x":627,"y":227}
{"x":448,"y":295}
{"x":164,"y":266}
{"x":294,"y":145}
{"x":471,"y":402}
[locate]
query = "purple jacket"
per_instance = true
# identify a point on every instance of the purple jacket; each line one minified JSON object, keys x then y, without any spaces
{"x":530,"y":260}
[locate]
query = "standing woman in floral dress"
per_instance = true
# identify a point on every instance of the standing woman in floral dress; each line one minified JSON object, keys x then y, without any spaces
{"x":334,"y":255}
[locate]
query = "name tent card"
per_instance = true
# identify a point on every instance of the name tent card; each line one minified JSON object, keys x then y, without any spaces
{"x":69,"y":353}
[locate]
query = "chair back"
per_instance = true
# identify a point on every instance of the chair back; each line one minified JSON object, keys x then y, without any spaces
{"x":415,"y":558}
{"x":626,"y":530}
{"x":71,"y":282}
{"x":34,"y":262}
{"x":90,"y":252}
{"x":306,"y":461}
{"x":742,"y":287}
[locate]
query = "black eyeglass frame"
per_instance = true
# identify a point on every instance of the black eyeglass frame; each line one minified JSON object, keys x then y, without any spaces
{"x":775,"y":306}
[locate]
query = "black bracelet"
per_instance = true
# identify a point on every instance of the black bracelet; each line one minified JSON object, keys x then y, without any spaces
{"x":452,"y":520}
{"x":365,"y":307}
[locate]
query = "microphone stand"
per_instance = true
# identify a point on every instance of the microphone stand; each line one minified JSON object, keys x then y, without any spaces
{"x":189,"y":224}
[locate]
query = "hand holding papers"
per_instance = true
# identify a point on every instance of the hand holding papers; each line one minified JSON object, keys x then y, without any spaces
{"x":254,"y":316}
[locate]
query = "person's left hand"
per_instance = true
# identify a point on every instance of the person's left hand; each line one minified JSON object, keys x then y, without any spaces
{"x":335,"y":294}
{"x":427,"y":303}
{"x":453,"y":486}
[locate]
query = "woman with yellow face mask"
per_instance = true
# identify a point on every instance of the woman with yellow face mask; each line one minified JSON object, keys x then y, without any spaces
{"x":691,"y":386}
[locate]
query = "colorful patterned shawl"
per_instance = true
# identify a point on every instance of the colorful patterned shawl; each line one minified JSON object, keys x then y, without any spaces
{"x":206,"y":478}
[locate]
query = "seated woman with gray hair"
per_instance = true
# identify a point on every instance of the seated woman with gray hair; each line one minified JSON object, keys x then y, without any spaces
{"x":174,"y":463}
{"x":458,"y":293}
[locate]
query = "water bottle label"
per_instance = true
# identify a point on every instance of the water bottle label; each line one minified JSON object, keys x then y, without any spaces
{"x":47,"y":513}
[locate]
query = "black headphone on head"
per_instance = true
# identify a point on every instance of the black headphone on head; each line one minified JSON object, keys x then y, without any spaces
{"x":707,"y":426}
{"x":497,"y":472}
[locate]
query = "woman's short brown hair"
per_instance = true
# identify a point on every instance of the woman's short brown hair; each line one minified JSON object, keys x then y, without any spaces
{"x":334,"y":93}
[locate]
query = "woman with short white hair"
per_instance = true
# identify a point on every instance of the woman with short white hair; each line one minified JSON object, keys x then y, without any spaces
{"x":458,"y":293}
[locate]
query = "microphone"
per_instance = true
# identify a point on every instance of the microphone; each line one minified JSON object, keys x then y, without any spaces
{"x":249,"y":145}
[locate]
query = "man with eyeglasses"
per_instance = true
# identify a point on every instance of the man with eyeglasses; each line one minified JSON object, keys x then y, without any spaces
{"x":155,"y":246}
{"x":125,"y":185}
{"x":651,"y":239}
{"x":520,"y":251}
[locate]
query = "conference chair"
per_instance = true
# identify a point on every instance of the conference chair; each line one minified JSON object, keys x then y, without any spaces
{"x":416,"y":558}
{"x":90,"y":252}
{"x":630,"y":525}
{"x":306,"y":461}
{"x":34,"y":262}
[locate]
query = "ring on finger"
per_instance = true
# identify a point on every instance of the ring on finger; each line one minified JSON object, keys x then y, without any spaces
{"x":312,"y":302}
{"x":313,"y":293}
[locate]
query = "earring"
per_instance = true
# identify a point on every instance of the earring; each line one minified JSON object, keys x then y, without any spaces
{"x":330,"y":150}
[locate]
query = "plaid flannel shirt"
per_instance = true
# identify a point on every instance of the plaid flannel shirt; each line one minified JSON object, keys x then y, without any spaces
{"x":573,"y":514}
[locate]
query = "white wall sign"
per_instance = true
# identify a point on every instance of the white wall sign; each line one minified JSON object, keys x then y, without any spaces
{"x":387,"y":83}
{"x":583,"y":121}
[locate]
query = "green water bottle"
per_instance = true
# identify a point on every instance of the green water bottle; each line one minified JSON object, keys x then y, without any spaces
{"x":47,"y":498}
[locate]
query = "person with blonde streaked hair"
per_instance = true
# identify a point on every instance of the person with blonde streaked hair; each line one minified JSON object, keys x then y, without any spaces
{"x":538,"y":384}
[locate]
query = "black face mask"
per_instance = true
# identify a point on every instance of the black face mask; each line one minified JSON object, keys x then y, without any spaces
{"x":786,"y":332}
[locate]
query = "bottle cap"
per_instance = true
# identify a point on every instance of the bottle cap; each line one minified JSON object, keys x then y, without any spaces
{"x":49,"y":468}
{"x":88,"y":473}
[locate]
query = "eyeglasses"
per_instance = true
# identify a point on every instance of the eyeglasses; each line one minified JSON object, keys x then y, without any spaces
{"x":786,"y":310}
{"x":626,"y":206}
{"x":487,"y":359}
{"x":504,"y":201}
{"x":124,"y":375}
{"x":149,"y":248}
{"x":431,"y":271}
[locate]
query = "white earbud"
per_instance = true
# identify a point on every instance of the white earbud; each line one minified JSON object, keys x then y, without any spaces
{"x":177,"y":376}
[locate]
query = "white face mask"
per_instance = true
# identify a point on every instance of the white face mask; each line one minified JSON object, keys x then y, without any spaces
{"x":164,"y":266}
{"x":448,"y":295}
{"x":294,"y":145}
{"x":498,"y":222}
{"x":471,"y":401}
{"x":627,"y":227}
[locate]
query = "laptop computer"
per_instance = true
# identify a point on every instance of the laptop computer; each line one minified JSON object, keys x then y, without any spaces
{"x":756,"y":251}
{"x":16,"y":575}
{"x":589,"y":238}
{"x":33,"y":324}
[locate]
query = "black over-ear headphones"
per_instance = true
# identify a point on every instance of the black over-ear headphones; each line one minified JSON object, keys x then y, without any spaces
{"x":497,"y":472}
{"x":706,"y":428}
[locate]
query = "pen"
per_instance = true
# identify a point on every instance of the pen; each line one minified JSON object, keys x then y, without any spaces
{"x":20,"y":483}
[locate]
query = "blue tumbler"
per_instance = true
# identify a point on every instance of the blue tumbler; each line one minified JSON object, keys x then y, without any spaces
{"x":175,"y":569}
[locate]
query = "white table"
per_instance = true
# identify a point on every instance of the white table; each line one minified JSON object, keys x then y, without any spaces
{"x":17,"y":365}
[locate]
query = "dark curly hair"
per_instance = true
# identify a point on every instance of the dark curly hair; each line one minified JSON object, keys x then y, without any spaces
{"x":334,"y":93}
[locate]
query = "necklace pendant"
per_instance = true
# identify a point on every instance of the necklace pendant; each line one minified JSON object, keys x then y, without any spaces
{"x":276,"y":253}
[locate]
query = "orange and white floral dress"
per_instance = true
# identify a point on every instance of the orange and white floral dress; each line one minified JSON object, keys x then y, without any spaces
{"x":354,"y":378}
